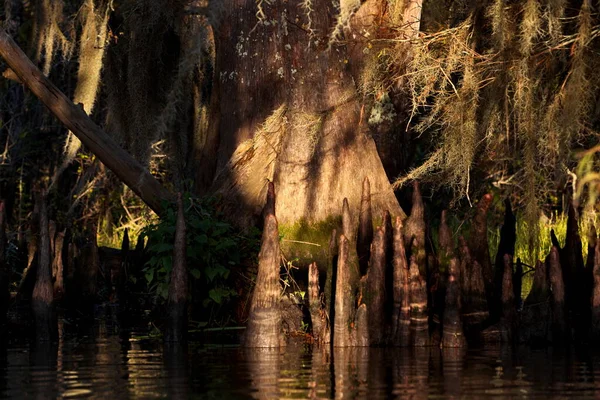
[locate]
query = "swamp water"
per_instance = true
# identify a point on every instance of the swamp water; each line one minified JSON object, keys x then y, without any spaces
{"x":106,"y":360}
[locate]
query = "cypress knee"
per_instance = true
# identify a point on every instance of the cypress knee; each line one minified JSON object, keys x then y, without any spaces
{"x":453,"y":335}
{"x":42,"y":300}
{"x":318,"y":316}
{"x":559,"y":322}
{"x":415,"y":228}
{"x":365,"y":228}
{"x":376,"y":289}
{"x":401,"y":309}
{"x":419,"y":324}
{"x":176,"y":330}
{"x":264,"y":322}
{"x":343,"y":298}
{"x":535,"y":316}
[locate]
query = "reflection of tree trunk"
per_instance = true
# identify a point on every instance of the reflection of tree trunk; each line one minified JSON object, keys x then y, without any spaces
{"x":264,"y":368}
{"x":175,"y":357}
{"x":294,"y":97}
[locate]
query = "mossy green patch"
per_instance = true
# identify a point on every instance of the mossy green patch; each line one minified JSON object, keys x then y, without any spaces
{"x":306,"y":242}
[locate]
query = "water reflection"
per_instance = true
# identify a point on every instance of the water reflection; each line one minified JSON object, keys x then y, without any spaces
{"x":104,"y":360}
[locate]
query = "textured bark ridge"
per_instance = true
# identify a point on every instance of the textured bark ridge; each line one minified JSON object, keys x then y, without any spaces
{"x":365,"y":228}
{"x":264,"y":322}
{"x":42,"y":300}
{"x":176,"y":330}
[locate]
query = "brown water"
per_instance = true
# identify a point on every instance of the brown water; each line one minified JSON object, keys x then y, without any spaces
{"x":108,"y":362}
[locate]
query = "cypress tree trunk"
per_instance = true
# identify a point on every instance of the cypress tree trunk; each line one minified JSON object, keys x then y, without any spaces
{"x":42,"y":300}
{"x":178,"y":286}
{"x":508,"y":321}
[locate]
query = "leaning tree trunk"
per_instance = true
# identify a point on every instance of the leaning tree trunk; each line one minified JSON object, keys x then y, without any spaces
{"x":293,"y":116}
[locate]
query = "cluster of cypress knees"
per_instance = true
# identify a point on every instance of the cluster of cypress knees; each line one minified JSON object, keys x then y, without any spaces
{"x":387,"y":287}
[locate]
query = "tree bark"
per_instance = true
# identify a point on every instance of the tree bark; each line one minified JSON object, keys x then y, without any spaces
{"x":508,"y":321}
{"x":58,"y":266}
{"x":365,"y":228}
{"x":178,"y":286}
{"x":293,"y":115}
{"x":453,"y":335}
{"x":74,"y":118}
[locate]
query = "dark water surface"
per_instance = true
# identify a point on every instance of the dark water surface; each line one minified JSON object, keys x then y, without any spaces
{"x":108,"y":362}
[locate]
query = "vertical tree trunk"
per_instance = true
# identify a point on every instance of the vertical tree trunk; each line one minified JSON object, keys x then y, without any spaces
{"x":42,"y":300}
{"x":178,"y":286}
{"x":265,"y":317}
{"x":401,"y":309}
{"x":414,"y":229}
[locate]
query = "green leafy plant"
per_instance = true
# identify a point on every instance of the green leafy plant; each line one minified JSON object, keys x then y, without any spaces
{"x":213,"y":248}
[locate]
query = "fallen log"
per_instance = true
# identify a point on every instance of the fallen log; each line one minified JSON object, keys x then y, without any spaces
{"x":129,"y":171}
